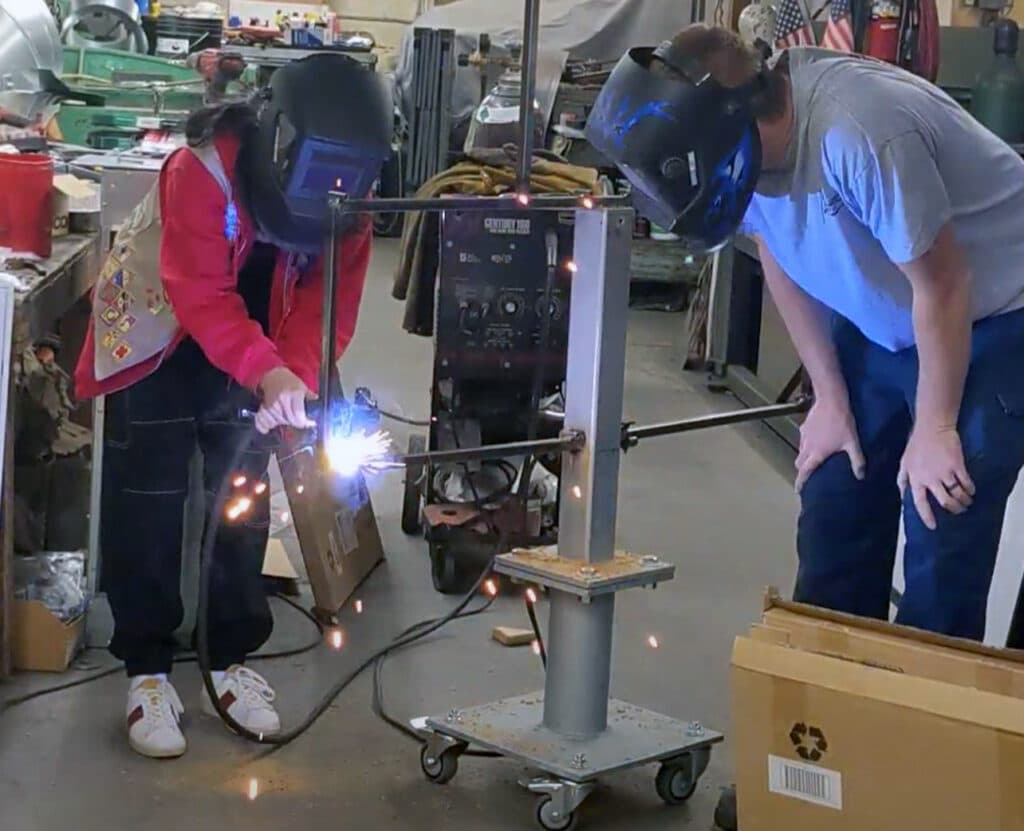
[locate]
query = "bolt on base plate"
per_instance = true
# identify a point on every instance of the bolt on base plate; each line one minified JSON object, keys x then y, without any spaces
{"x":514,"y":728}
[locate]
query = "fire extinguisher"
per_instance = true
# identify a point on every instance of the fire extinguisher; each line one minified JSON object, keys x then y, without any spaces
{"x":882,"y":39}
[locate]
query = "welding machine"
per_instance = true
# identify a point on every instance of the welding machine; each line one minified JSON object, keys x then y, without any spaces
{"x":501,"y":334}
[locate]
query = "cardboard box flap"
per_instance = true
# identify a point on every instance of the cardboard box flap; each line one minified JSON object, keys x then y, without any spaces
{"x":939,"y":698}
{"x":82,"y":196}
{"x":774,"y":600}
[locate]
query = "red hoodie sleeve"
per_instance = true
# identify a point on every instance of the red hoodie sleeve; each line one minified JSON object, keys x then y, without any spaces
{"x":299,"y":340}
{"x":199,"y":274}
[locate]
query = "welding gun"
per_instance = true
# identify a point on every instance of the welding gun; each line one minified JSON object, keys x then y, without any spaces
{"x":360,"y":415}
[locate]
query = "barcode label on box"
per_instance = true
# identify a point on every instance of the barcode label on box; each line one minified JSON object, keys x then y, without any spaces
{"x":810,"y":783}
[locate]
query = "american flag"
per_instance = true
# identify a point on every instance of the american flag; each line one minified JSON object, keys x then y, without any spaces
{"x":839,"y":30}
{"x":792,"y":27}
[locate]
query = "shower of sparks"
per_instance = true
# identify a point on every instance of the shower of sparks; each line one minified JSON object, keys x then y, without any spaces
{"x":337,"y":640}
{"x":285,"y":516}
{"x":535,"y":646}
{"x":349,"y":454}
{"x":588,"y":203}
{"x":254,"y":789}
{"x":577,"y":491}
{"x":239,"y":481}
{"x":531,"y":595}
{"x":523,"y":199}
{"x":299,"y":490}
{"x":261,"y":488}
{"x":359,"y":607}
{"x":571,"y":267}
{"x":491,"y":588}
{"x":653,"y":642}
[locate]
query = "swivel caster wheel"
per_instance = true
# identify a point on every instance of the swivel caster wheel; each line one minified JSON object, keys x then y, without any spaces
{"x":444,"y":569}
{"x":551,"y":819}
{"x":677,"y":780}
{"x":441,"y":768}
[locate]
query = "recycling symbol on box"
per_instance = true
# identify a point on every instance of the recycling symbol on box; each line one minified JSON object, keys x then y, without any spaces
{"x":810,"y":742}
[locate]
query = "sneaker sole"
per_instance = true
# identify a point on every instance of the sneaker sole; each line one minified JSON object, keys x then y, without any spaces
{"x":156,"y":754}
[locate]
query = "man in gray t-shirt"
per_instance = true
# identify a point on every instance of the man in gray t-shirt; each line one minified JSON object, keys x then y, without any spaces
{"x":890,"y":226}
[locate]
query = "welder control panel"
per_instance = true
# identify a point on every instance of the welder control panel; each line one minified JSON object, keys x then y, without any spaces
{"x":491,"y":293}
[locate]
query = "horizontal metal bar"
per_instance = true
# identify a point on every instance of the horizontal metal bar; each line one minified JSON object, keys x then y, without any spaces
{"x":631,"y":436}
{"x":570,"y":442}
{"x":341,"y":203}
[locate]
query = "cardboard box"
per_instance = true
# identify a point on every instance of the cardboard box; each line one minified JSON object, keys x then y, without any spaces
{"x":41,"y":641}
{"x":853,"y":725}
{"x":335,"y":525}
{"x":72,"y":195}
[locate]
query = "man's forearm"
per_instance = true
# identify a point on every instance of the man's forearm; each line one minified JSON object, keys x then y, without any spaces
{"x":941,"y":282}
{"x":942,"y":326}
{"x":808,"y":324}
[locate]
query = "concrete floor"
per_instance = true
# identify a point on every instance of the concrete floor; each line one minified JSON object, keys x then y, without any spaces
{"x":719,"y":505}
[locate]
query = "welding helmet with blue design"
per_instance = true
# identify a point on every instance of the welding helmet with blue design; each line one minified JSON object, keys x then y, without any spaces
{"x":323,"y":123}
{"x":688,"y":145}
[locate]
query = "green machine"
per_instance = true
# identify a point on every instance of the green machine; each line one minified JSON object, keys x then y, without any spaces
{"x":138,"y":93}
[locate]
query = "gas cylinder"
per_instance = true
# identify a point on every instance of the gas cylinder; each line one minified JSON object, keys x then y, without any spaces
{"x":997,"y":100}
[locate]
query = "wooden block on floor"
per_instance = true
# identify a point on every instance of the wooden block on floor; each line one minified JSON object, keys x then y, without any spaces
{"x":276,"y":563}
{"x":510,"y":636}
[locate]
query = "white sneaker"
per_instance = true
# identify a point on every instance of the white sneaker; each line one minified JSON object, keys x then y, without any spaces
{"x":248,"y":698}
{"x":154,"y":716}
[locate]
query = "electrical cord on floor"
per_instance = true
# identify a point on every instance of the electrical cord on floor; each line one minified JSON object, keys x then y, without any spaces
{"x":187,"y":658}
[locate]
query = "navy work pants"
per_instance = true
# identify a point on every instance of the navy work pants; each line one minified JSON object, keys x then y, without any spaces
{"x":848,"y":529}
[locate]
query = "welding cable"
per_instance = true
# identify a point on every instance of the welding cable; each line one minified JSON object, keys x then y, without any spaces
{"x":186,"y":658}
{"x":412,"y":422}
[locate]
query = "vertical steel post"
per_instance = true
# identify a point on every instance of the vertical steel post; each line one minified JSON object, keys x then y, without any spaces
{"x":329,"y":320}
{"x":527,"y":93}
{"x":580,"y":634}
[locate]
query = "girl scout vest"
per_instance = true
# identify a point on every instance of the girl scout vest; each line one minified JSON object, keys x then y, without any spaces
{"x":132,"y":315}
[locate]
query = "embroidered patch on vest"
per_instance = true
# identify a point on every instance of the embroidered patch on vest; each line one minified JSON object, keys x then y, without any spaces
{"x":110,"y":315}
{"x":110,"y":339}
{"x":108,"y":292}
{"x":125,"y":323}
{"x":121,"y":351}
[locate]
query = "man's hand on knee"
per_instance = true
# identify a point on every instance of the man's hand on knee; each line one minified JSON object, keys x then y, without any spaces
{"x":829,"y":429}
{"x":933,"y":463}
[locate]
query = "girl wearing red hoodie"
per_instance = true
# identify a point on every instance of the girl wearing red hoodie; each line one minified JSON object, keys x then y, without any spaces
{"x":242,"y":218}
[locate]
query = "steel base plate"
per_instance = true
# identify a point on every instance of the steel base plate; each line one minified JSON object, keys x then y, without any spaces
{"x":513,"y":727}
{"x":584,"y":579}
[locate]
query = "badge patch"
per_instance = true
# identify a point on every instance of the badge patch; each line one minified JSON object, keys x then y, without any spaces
{"x":154,"y":302}
{"x":121,"y":279}
{"x":108,"y":292}
{"x":121,"y":351}
{"x":110,"y":315}
{"x":125,"y":323}
{"x":123,"y":301}
{"x":110,"y":339}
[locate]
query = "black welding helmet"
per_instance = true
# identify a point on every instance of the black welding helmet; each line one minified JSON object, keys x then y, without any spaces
{"x":688,"y":145}
{"x":324,"y":123}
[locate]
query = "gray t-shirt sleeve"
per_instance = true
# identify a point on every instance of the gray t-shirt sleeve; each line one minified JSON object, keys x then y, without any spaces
{"x":896,"y":191}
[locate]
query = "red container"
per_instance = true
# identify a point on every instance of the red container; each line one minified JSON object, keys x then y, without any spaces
{"x":26,"y":203}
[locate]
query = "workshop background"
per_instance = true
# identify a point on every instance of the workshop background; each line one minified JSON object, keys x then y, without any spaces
{"x":94,"y":98}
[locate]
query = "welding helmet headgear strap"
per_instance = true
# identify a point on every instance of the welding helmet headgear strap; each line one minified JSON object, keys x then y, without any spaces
{"x":324,"y":123}
{"x":689,"y":146}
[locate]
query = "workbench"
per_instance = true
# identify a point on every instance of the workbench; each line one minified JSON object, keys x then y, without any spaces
{"x":54,"y":300}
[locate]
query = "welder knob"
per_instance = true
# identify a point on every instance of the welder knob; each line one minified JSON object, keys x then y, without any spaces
{"x":674,"y":168}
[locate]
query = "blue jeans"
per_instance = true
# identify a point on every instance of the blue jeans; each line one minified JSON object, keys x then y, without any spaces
{"x":848,"y":529}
